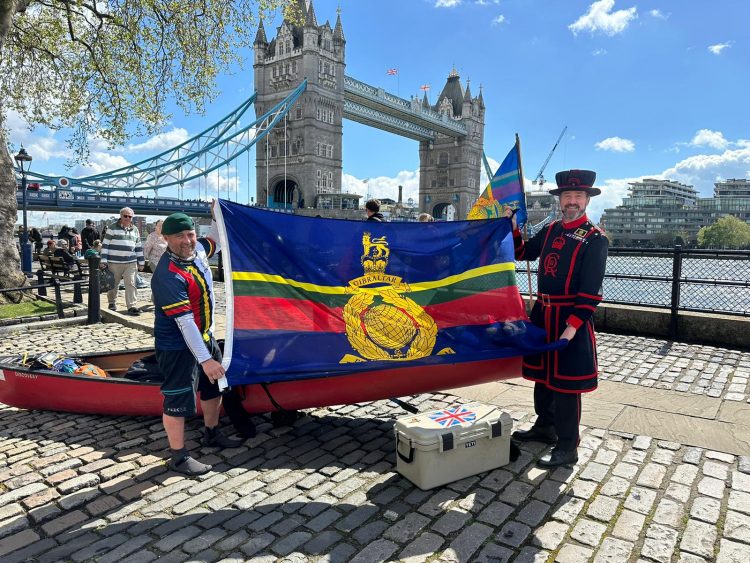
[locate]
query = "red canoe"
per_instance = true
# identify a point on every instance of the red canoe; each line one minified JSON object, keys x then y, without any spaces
{"x":50,"y":390}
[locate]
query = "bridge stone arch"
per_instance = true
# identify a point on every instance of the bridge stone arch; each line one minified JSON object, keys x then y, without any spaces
{"x":445,"y":212}
{"x":309,"y":142}
{"x":285,"y":193}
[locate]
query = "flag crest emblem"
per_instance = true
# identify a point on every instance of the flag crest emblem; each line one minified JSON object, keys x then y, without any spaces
{"x":381,"y":322}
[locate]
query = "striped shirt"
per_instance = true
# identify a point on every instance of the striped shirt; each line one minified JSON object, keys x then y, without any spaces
{"x":121,"y":245}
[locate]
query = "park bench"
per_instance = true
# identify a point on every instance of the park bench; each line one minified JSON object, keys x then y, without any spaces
{"x":55,"y":268}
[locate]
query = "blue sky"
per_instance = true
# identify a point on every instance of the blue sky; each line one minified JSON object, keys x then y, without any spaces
{"x":647,"y":89}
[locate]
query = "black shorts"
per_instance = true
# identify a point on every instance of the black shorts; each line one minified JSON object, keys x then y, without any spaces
{"x":183,"y":376}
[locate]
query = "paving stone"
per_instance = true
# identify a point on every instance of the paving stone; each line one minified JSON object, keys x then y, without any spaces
{"x":699,"y":538}
{"x":685,"y":474}
{"x":466,"y":543}
{"x":629,"y":525}
{"x":421,"y":548}
{"x":550,"y":535}
{"x":652,"y":475}
{"x":740,"y":481}
{"x":493,"y":553}
{"x":571,"y":553}
{"x":613,"y":550}
{"x":379,"y":550}
{"x":640,"y":500}
{"x":660,"y":543}
{"x":732,"y":552}
{"x":708,"y":509}
{"x":496,"y":513}
{"x":513,"y":533}
{"x":289,"y":542}
{"x":588,"y":532}
{"x":669,"y":513}
{"x":678,"y":492}
{"x":711,"y":487}
{"x":737,"y":526}
{"x":256,"y":543}
{"x":568,"y":509}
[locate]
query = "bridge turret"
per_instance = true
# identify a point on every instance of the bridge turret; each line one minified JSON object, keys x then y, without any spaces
{"x":338,"y":33}
{"x":261,"y":43}
{"x":310,"y":19}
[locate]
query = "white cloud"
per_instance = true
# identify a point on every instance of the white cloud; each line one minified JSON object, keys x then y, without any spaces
{"x":486,"y":2}
{"x":708,"y":138}
{"x":600,"y":17}
{"x":599,"y":52}
{"x":658,"y":14}
{"x":499,"y":20}
{"x":447,"y":3}
{"x":616,"y":144}
{"x":161,"y":142}
{"x":718,"y":48}
{"x":101,"y":162}
{"x":613,"y":190}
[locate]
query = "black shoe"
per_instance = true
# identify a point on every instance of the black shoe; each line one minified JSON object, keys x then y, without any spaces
{"x":213,"y":437}
{"x":112,"y":307}
{"x":134,"y":311}
{"x":544,"y":434}
{"x":557,"y":458}
{"x":189,"y":466}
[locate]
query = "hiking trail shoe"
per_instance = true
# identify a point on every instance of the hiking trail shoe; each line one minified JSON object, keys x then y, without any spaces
{"x":213,"y":437}
{"x":189,"y":466}
{"x":134,"y":311}
{"x":112,"y":307}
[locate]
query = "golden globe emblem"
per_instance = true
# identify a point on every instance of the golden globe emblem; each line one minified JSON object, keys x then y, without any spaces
{"x":389,"y":327}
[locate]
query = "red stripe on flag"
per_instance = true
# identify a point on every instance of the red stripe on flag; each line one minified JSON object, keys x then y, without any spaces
{"x":392,"y":71}
{"x":274,"y":313}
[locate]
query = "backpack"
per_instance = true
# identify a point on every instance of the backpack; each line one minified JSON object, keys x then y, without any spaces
{"x":146,"y":369}
{"x":91,"y":370}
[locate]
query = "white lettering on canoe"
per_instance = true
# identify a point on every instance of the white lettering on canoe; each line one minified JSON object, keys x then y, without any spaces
{"x":26,"y":375}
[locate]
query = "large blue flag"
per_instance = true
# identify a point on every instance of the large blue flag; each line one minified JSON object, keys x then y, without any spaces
{"x":504,"y":190}
{"x":308,"y":296}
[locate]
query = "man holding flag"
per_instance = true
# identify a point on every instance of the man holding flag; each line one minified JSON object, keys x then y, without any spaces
{"x":572,"y":259}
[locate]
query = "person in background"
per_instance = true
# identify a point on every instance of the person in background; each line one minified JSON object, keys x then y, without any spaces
{"x":62,"y":252}
{"x":425,"y":218}
{"x":372,"y":208}
{"x":76,"y":245}
{"x":88,"y":235}
{"x":94,"y":250}
{"x":122,"y":253}
{"x":36,"y":237}
{"x":186,"y":350}
{"x":572,"y":256}
{"x":154,"y":246}
{"x":51,"y":247}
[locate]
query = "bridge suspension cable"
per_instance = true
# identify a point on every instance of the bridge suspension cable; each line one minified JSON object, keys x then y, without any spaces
{"x":216,"y":147}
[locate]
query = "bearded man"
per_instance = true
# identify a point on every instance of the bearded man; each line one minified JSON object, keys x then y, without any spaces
{"x":572,"y":256}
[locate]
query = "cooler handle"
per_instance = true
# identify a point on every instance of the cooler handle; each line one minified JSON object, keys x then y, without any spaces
{"x":402,"y":456}
{"x":496,"y":428}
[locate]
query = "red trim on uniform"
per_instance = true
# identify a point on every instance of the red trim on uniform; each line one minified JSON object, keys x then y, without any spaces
{"x":584,"y":306}
{"x":576,"y":223}
{"x":588,"y":296}
{"x":574,"y":392}
{"x":194,"y":294}
{"x":576,"y":377}
{"x":574,"y":321}
{"x":573,"y":260}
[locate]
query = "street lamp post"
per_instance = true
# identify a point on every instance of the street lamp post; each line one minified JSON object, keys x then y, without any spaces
{"x":24,"y":158}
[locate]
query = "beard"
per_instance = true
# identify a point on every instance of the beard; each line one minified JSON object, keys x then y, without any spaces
{"x":572,"y":212}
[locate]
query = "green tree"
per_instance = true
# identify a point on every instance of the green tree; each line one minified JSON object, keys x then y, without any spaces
{"x":727,"y":232}
{"x":108,"y":68}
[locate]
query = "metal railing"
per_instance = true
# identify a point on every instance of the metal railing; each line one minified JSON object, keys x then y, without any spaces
{"x":707,"y":281}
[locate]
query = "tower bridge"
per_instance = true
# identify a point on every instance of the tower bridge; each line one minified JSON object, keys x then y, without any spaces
{"x":302,"y":97}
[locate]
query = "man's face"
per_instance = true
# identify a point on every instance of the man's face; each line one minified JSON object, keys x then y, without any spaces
{"x":126,"y":218}
{"x":182,"y":244}
{"x":573,"y":204}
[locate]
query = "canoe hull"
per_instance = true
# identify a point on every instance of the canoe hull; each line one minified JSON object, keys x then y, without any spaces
{"x":46,"y":390}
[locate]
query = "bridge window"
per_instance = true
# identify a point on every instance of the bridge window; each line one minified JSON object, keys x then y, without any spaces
{"x":444,"y":159}
{"x":434,"y":184}
{"x":471,"y":182}
{"x":451,"y":182}
{"x":298,"y":113}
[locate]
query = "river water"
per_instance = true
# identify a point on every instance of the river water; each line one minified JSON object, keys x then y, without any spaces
{"x":706,"y":290}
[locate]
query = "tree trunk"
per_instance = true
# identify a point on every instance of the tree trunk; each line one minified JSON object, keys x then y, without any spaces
{"x":10,"y":261}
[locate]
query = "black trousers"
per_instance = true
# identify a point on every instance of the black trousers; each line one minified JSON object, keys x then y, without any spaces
{"x":561,"y":411}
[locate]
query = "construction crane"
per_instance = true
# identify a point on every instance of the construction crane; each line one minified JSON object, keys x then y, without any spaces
{"x":539,"y":180}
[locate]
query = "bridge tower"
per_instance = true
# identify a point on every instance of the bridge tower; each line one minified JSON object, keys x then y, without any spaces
{"x":313,"y":142}
{"x":449,"y":167}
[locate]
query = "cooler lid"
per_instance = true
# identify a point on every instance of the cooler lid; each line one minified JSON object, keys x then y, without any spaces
{"x":467,"y":421}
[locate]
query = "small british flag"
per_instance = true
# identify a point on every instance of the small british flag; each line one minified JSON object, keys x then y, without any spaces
{"x":453,"y":416}
{"x":392,"y":71}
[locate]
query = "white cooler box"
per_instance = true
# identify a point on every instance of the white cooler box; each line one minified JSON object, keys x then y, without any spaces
{"x":442,"y":446}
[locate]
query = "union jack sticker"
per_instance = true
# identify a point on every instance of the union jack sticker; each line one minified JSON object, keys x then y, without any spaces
{"x":453,"y":416}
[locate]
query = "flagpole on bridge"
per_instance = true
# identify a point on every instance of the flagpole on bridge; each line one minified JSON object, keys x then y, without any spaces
{"x":525,"y":230}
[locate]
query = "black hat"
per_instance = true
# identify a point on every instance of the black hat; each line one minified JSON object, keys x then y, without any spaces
{"x":579,"y":180}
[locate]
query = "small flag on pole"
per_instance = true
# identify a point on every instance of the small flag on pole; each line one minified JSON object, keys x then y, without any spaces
{"x":392,"y":71}
{"x":424,"y":87}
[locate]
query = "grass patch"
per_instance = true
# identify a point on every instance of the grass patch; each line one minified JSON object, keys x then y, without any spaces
{"x":26,"y":309}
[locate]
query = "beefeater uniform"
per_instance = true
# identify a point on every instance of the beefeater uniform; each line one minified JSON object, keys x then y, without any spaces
{"x":572,"y":260}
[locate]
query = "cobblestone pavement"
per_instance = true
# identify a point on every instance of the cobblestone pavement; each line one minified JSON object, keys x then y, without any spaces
{"x":691,"y":368}
{"x":95,"y":488}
